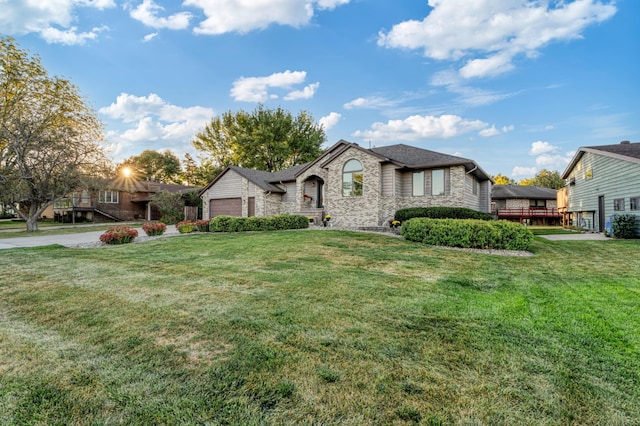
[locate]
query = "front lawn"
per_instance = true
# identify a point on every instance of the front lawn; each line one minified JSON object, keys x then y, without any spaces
{"x":319,"y":327}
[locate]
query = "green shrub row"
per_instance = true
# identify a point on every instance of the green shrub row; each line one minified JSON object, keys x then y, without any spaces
{"x":468,"y":233}
{"x":254,"y":223}
{"x":623,"y":226}
{"x":440,"y":213}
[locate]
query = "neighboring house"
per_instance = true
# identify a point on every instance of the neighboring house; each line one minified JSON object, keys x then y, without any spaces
{"x":357,"y":187}
{"x":530,"y":205}
{"x":602,"y":181}
{"x":122,"y":200}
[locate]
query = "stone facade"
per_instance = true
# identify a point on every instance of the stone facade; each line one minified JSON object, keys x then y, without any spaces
{"x":386,"y":187}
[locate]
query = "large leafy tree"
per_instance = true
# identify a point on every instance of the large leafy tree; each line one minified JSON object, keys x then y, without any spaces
{"x":545,"y":179}
{"x":501,"y":179}
{"x":156,"y":166}
{"x":49,"y":136}
{"x":263,"y":139}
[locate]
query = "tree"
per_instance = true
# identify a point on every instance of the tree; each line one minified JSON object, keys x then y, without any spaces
{"x":155,"y":166}
{"x":264,"y":139}
{"x":49,"y":137}
{"x":198,"y":175}
{"x":170,"y":205}
{"x":545,"y":179}
{"x":500,"y":179}
{"x":549,"y":179}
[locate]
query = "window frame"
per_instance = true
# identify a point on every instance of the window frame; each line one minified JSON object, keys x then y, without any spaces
{"x":419,"y":189}
{"x":433,"y":183}
{"x":109,"y":197}
{"x":618,"y":205}
{"x":634,"y":203}
{"x":352,"y":178}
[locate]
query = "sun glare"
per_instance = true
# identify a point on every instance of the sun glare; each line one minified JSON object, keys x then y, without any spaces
{"x":126,"y":172}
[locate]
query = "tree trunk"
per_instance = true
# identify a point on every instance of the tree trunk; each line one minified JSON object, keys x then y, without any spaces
{"x":32,"y":223}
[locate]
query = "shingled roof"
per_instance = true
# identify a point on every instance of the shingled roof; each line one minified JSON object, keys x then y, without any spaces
{"x":624,"y":150}
{"x":504,"y":192}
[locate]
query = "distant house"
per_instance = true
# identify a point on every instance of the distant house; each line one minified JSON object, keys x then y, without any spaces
{"x":602,"y":181}
{"x":121,"y":200}
{"x":357,"y":187}
{"x":530,"y":205}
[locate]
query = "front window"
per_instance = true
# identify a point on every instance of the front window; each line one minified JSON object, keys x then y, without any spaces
{"x":352,"y":178}
{"x":618,"y":204}
{"x":437,"y":182}
{"x":108,"y":197}
{"x":634,"y":203}
{"x":537,"y":203}
{"x":418,"y":184}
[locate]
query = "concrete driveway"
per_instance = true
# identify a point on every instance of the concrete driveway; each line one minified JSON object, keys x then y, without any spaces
{"x":67,"y":240}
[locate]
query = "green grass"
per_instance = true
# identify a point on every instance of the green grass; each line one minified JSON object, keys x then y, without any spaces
{"x":319,"y":327}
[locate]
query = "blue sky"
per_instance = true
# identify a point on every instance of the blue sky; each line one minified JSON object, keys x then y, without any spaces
{"x":516,"y":85}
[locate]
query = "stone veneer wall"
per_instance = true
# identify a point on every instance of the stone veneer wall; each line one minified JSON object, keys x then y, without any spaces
{"x":353,"y":211}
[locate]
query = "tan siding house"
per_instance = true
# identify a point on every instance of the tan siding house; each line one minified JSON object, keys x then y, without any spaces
{"x":358,"y":187}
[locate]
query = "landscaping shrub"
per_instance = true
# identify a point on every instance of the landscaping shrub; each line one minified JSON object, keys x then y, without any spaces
{"x":623,"y":226}
{"x":440,"y":213}
{"x":154,"y":228}
{"x":119,"y":235}
{"x":254,"y":223}
{"x":468,"y":233}
{"x":185,"y":227}
{"x":202,"y":225}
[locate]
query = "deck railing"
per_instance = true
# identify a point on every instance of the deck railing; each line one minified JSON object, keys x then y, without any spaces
{"x":528,"y":212}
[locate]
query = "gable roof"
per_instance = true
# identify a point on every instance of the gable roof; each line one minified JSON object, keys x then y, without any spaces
{"x":504,"y":192}
{"x":624,"y":150}
{"x":404,"y":156}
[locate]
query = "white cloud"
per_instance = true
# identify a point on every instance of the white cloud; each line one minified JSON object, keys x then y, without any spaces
{"x":151,"y":118}
{"x":53,"y":20}
{"x":524,"y":171}
{"x":489,"y":34}
{"x":548,"y":156}
{"x":256,"y":89}
{"x":419,"y":127}
{"x":306,"y":93}
{"x":242,"y":16}
{"x":372,"y":102}
{"x":330,"y":120}
{"x":149,"y":37}
{"x":541,"y":147}
{"x":470,"y":96}
{"x":147,"y":13}
{"x":491,"y":131}
{"x":70,"y":36}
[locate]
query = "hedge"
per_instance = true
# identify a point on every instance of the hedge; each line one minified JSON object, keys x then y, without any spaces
{"x":468,"y":233}
{"x":272,"y":223}
{"x":623,"y":226}
{"x":440,"y":213}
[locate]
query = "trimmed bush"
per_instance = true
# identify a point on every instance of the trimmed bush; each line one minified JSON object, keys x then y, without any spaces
{"x":154,"y":228}
{"x":202,"y":225}
{"x":468,"y":233}
{"x":255,"y":223}
{"x":623,"y":226}
{"x":440,"y":213}
{"x":185,"y":227}
{"x":119,"y":235}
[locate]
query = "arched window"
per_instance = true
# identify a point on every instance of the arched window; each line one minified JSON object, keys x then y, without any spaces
{"x":352,"y":179}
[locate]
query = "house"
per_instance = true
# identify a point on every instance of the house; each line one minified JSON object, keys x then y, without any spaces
{"x":121,"y":200}
{"x":357,"y":187}
{"x":530,"y":205}
{"x":602,"y":181}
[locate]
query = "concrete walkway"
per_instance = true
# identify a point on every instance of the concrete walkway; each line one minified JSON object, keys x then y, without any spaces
{"x":576,"y":237}
{"x":67,"y":240}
